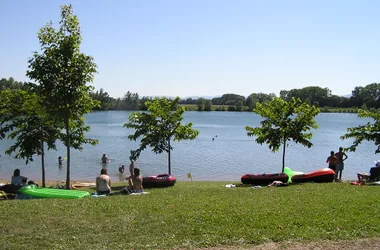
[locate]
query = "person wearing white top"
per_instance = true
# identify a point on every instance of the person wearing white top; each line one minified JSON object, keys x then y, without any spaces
{"x":17,"y":179}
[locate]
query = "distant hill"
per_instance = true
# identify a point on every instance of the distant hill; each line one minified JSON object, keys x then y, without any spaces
{"x":187,"y":97}
{"x":203,"y":96}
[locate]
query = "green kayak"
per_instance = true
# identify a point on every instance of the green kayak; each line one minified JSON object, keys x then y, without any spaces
{"x":38,"y":192}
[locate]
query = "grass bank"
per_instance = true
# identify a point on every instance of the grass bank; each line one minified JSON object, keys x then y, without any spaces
{"x":194,"y":215}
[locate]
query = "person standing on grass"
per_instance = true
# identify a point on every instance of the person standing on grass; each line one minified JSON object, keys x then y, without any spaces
{"x":103,"y":183}
{"x":331,"y":160}
{"x":340,"y":158}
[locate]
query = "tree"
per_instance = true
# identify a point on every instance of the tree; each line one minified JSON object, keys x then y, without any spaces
{"x":24,"y":120}
{"x":201,"y":104}
{"x":228,"y":99}
{"x":62,"y":72}
{"x":253,"y":98}
{"x":284,"y":121}
{"x":131,"y":101}
{"x":208,"y":105}
{"x":158,"y":126}
{"x":367,"y":132}
{"x":239,"y":105}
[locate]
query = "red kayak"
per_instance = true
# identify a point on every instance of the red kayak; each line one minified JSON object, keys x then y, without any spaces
{"x":264,"y":179}
{"x":161,"y":180}
{"x":321,"y":175}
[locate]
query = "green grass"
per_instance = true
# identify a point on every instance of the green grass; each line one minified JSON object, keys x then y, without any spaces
{"x":193,"y":214}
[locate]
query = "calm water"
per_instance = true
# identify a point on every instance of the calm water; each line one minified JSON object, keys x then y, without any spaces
{"x":229,"y":156}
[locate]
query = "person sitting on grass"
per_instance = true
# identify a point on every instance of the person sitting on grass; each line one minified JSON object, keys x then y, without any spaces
{"x":17,"y":179}
{"x":134,"y":182}
{"x":374,"y":173}
{"x":103,"y":183}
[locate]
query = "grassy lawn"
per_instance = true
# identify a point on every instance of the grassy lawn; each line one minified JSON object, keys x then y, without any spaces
{"x":194,"y":214}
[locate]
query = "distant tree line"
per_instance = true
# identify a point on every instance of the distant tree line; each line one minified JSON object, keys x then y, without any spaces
{"x":367,"y":98}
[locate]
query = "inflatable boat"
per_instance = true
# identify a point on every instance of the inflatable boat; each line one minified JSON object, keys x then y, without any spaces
{"x":38,"y":192}
{"x":321,"y":175}
{"x":264,"y":179}
{"x":161,"y":180}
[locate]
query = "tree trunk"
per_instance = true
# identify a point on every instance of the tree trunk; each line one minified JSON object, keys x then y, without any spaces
{"x":169,"y":160}
{"x":43,"y":164}
{"x":283,"y":156}
{"x":68,"y":155}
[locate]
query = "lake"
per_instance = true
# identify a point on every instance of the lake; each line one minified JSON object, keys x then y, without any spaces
{"x":226,"y":158}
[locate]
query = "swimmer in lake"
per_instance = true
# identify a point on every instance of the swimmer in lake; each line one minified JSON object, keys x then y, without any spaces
{"x":105,"y":158}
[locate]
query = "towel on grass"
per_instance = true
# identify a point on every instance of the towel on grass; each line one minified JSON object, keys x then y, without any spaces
{"x":139,"y":193}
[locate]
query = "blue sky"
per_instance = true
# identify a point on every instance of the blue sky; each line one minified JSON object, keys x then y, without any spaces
{"x":208,"y":47}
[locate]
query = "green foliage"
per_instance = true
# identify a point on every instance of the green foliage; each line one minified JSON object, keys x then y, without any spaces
{"x":196,"y":215}
{"x":284,"y":121}
{"x":24,"y":120}
{"x":201,"y":104}
{"x":368,"y":95}
{"x":158,"y":126}
{"x":11,"y":84}
{"x":368,"y":132}
{"x":239,"y":105}
{"x":228,"y":99}
{"x":62,"y":72}
{"x":106,"y":102}
{"x":208,"y":105}
{"x":254,"y":98}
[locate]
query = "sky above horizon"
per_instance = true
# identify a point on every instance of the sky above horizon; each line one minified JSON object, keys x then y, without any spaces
{"x":207,"y":47}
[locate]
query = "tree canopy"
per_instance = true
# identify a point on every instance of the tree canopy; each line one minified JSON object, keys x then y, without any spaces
{"x":62,"y":73}
{"x":367,"y":132}
{"x":23,"y":119}
{"x":284,"y":121}
{"x":158,"y":126}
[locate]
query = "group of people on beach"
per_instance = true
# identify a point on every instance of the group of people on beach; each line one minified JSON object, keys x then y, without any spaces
{"x":336,"y":163}
{"x":103,"y":181}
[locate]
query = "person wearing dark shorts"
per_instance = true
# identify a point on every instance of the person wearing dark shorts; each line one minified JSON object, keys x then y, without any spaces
{"x":103,"y":183}
{"x":331,"y":160}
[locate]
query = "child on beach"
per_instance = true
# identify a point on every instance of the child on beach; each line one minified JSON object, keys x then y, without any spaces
{"x":331,"y":160}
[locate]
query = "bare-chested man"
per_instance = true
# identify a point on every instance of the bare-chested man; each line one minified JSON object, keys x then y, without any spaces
{"x":103,"y":183}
